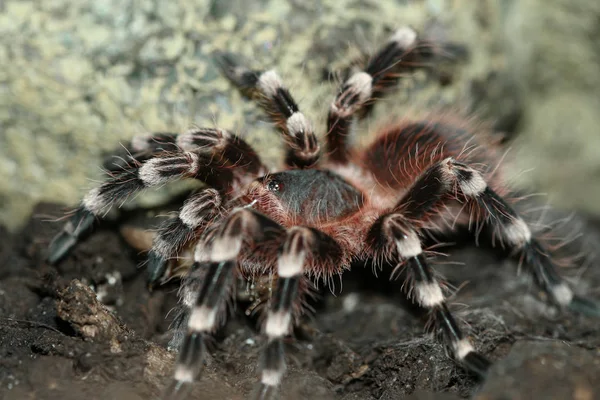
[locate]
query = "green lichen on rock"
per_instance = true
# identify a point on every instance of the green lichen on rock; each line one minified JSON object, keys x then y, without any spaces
{"x":80,"y":78}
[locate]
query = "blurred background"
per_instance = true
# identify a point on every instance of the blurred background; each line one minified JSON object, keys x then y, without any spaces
{"x":79,"y":77}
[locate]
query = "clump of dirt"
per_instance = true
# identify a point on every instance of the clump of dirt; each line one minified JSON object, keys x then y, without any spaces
{"x":89,"y":328}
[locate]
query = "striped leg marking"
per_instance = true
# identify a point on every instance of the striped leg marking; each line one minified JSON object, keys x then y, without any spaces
{"x":204,"y":310}
{"x":301,"y":247}
{"x":174,"y":234}
{"x":117,"y":189}
{"x":428,"y":294}
{"x":359,"y":91}
{"x":396,"y":234}
{"x":267,"y":88}
{"x":140,"y":149}
{"x":214,"y":156}
{"x":518,"y":237}
{"x":202,"y":321}
{"x":203,"y":318}
{"x":290,"y":269}
{"x":449,"y":177}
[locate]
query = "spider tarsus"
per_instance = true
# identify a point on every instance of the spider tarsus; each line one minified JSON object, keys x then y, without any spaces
{"x":60,"y":246}
{"x":191,"y":356}
{"x":584,"y":306}
{"x":79,"y":225}
{"x":156,"y":268}
{"x":177,"y":390}
{"x":242,"y":77}
{"x":273,"y":362}
{"x":264,"y":392}
{"x":477,"y":364}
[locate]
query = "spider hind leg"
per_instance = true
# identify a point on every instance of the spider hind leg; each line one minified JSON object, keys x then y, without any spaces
{"x":450,"y":180}
{"x":527,"y":248}
{"x":395,"y":238}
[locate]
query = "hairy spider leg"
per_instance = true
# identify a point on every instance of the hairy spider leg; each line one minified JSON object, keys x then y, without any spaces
{"x":449,"y":179}
{"x":394,"y":238}
{"x":141,"y":148}
{"x":303,"y":246}
{"x":205,"y":309}
{"x":174,"y":234}
{"x":518,"y":238}
{"x":217,"y":157}
{"x":202,"y":322}
{"x":267,"y":88}
{"x":357,"y":94}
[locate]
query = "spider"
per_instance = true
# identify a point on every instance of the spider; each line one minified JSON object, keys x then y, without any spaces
{"x":326,"y":209}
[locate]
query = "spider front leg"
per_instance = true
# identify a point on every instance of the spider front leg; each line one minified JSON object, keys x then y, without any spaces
{"x":249,"y":235}
{"x":395,"y":239}
{"x":144,"y":147}
{"x":451,"y":179}
{"x":266,"y":87}
{"x":219,"y":255}
{"x":214,"y":156}
{"x":303,"y":247}
{"x":174,"y":234}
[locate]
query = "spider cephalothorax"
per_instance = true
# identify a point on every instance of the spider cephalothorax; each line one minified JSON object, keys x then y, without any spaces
{"x":328,"y":207}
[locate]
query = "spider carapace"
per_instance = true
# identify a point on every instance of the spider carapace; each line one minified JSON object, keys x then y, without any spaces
{"x":326,"y":208}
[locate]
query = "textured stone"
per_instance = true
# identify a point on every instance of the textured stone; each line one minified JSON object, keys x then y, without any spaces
{"x":79,"y":78}
{"x":554,"y":52}
{"x":544,"y":370}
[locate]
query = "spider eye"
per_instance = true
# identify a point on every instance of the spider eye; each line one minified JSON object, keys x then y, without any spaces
{"x":275,"y":186}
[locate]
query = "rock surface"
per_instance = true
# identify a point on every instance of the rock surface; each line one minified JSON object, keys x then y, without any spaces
{"x":80,"y":78}
{"x":544,"y":370}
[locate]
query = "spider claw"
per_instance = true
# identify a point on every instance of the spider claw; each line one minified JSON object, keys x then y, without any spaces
{"x":264,"y":392}
{"x":240,"y":76}
{"x":78,"y":225}
{"x":477,"y":364}
{"x":585,"y":306}
{"x":228,"y":64}
{"x":177,"y":390}
{"x":225,"y":60}
{"x":156,"y":269}
{"x":60,"y":246}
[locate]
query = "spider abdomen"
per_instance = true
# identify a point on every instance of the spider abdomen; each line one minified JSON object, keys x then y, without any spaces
{"x":402,"y":150}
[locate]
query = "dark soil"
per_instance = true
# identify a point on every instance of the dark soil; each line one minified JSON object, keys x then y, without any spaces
{"x":57,"y":341}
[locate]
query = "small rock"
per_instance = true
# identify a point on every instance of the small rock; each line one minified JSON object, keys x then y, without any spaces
{"x":544,"y":370}
{"x":79,"y":306}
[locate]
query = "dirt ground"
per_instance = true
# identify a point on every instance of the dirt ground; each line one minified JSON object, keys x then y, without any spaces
{"x":57,"y":341}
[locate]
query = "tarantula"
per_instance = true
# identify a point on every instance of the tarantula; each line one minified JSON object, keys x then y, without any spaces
{"x":326,"y":208}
